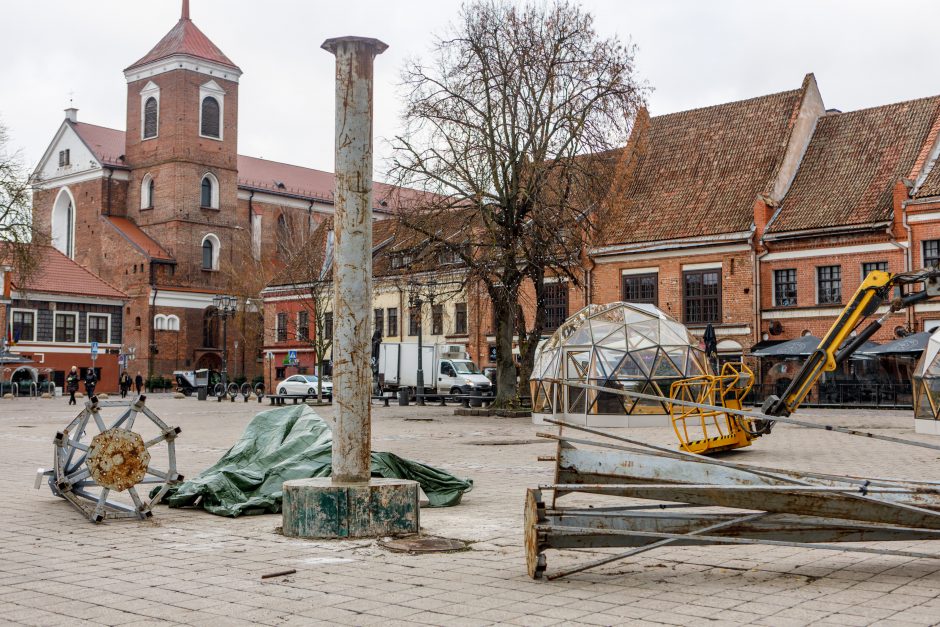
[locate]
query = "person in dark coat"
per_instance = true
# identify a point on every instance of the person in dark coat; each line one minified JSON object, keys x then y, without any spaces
{"x":91,"y":380}
{"x":71,"y":384}
{"x":139,"y":382}
{"x":125,"y":383}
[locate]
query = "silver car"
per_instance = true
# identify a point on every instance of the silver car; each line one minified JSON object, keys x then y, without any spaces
{"x":305,"y":384}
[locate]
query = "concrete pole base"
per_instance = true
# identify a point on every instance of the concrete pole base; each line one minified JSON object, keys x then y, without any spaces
{"x":318,"y":508}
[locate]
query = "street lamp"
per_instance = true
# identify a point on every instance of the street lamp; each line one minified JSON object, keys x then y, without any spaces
{"x":225,"y":308}
{"x":418,"y":293}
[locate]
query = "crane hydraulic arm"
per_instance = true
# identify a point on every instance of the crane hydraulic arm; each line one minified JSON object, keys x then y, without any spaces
{"x":874,"y":291}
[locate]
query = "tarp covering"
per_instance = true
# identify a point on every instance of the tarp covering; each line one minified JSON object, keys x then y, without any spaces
{"x":287,"y":443}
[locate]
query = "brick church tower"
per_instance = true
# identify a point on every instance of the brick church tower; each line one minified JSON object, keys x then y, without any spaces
{"x":182,"y":145}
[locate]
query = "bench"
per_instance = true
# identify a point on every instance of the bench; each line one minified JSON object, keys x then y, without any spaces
{"x":279,"y":399}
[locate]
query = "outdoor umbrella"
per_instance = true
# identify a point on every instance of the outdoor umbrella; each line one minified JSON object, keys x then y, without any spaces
{"x":794,"y":348}
{"x":915,"y":343}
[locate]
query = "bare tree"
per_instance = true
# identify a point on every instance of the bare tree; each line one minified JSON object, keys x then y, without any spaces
{"x":498,"y":126}
{"x":17,"y":234}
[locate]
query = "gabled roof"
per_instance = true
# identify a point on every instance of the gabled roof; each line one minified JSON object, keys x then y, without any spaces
{"x":186,"y":39}
{"x":698,"y":172}
{"x":140,"y":240}
{"x":107,"y":144}
{"x":57,"y":274}
{"x":852,"y":163}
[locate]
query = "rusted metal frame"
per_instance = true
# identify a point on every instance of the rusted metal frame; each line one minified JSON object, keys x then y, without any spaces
{"x":709,"y":539}
{"x":630,"y":489}
{"x":776,"y":526}
{"x":653,"y":545}
{"x":654,"y":469}
{"x":771,"y":473}
{"x":754,"y":415}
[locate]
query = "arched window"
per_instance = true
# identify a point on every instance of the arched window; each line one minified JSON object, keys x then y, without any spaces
{"x":159,"y":322}
{"x":210,"y":328}
{"x":150,"y":117}
{"x":63,"y":223}
{"x":209,"y":192}
{"x":210,"y":252}
{"x":147,"y":189}
{"x":172,"y":323}
{"x":210,"y":123}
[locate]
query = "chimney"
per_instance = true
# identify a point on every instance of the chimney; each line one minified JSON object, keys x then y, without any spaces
{"x":764,"y":209}
{"x":899,"y":194}
{"x":71,"y":114}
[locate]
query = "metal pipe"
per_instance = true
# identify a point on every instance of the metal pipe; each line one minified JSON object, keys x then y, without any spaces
{"x":352,"y":270}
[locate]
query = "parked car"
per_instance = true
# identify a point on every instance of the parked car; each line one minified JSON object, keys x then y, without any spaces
{"x":304,"y":384}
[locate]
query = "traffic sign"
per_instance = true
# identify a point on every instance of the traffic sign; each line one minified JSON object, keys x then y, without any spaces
{"x":292,"y":357}
{"x":94,"y":349}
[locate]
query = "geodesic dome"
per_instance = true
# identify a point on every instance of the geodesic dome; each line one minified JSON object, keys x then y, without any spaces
{"x":619,"y":345}
{"x":927,"y":381}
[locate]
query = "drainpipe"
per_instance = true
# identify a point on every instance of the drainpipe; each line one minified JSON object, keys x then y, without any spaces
{"x":153,"y":304}
{"x":756,"y":261}
{"x":110,"y":174}
{"x":908,"y":257}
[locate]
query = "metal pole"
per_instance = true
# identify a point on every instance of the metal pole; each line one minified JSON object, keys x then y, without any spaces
{"x":352,"y":268}
{"x":224,"y":350}
{"x":420,"y":374}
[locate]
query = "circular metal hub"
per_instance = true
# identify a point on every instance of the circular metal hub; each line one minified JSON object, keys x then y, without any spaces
{"x":118,"y":459}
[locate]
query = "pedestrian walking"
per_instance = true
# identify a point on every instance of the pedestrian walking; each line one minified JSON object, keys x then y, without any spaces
{"x":91,"y":381}
{"x":71,"y":384}
{"x":139,"y":382}
{"x":125,"y":383}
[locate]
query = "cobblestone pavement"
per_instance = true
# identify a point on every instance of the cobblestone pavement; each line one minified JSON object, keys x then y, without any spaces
{"x":190,"y":567}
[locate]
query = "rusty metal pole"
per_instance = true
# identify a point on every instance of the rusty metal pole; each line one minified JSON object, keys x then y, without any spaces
{"x":352,"y":266}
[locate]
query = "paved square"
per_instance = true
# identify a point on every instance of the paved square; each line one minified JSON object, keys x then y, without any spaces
{"x":189,"y":567}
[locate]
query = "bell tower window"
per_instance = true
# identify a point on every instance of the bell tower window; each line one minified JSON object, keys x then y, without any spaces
{"x":210,"y":117}
{"x":63,"y":223}
{"x":211,"y":110}
{"x":147,"y":189}
{"x":150,"y":111}
{"x":209,"y":192}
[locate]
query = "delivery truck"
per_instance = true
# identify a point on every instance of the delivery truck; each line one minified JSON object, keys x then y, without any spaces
{"x":447,"y":369}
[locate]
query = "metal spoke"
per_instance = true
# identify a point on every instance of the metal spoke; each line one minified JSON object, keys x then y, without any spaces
{"x":653,"y":545}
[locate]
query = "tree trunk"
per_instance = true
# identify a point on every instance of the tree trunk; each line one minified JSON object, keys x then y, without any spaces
{"x":507,"y":393}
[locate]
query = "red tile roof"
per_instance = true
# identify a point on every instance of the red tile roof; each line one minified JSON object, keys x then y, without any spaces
{"x":57,"y":274}
{"x":852,"y":163}
{"x":185,"y":38}
{"x":698,"y":172}
{"x":284,"y":178}
{"x":107,"y":144}
{"x":135,"y":235}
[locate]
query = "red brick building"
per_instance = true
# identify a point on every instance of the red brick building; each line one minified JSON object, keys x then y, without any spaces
{"x":171,"y":214}
{"x":53,"y":316}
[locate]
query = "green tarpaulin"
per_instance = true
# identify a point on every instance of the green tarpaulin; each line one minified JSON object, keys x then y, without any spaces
{"x":293,"y":443}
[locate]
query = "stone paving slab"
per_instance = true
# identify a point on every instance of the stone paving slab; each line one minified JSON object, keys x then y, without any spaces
{"x":190,"y":568}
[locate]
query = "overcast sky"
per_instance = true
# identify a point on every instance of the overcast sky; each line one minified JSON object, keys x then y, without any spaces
{"x":692,"y":53}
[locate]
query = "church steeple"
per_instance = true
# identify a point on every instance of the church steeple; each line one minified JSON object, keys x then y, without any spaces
{"x":185,"y":39}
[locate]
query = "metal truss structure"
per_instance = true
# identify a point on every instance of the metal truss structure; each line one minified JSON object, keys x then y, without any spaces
{"x":682,"y":498}
{"x":98,"y":464}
